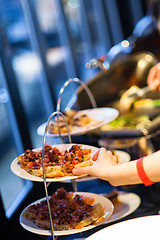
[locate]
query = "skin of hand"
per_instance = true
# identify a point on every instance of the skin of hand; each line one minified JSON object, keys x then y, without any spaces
{"x":107,"y":168}
{"x":153,"y":79}
{"x":104,"y":162}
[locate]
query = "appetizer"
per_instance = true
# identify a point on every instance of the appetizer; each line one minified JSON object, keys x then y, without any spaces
{"x":74,"y":119}
{"x":127,"y":122}
{"x":68,"y":210}
{"x":56,"y":163}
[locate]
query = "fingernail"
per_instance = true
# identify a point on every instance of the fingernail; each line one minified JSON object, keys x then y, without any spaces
{"x":73,"y":171}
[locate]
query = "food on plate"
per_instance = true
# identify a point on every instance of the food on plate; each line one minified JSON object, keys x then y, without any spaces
{"x":147,"y":103}
{"x":60,"y":124}
{"x":68,"y":210}
{"x":74,"y":119}
{"x":116,"y":156}
{"x":117,"y":143}
{"x":57,"y":163}
{"x":131,"y":101}
{"x":126,"y":101}
{"x":127,"y":121}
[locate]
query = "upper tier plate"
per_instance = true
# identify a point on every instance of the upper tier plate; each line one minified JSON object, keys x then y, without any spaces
{"x":101,"y":115}
{"x":17,"y":170}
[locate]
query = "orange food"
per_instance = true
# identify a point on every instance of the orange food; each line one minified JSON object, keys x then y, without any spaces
{"x":68,"y":210}
{"x":56,"y":163}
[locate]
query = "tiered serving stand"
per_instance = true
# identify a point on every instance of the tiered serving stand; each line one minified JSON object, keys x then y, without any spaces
{"x":21,"y":173}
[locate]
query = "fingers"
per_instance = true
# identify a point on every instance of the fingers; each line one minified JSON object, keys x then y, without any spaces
{"x":87,"y":170}
{"x":103,"y":153}
{"x":151,"y":75}
{"x":100,"y":152}
{"x":81,"y":171}
{"x":153,"y":79}
{"x":95,"y":156}
{"x":99,"y":156}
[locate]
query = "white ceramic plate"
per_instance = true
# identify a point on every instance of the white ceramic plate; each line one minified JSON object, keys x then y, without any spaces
{"x":134,"y":229}
{"x":102,"y":115}
{"x":17,"y":170}
{"x":123,"y":156}
{"x":30,"y":226}
{"x":126,"y":204}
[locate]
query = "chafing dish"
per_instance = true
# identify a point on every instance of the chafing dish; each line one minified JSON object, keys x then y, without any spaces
{"x":108,"y":86}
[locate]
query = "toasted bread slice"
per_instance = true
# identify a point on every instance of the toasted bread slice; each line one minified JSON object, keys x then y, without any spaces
{"x":95,"y":215}
{"x":35,"y":172}
{"x":84,"y":164}
{"x":54,"y":171}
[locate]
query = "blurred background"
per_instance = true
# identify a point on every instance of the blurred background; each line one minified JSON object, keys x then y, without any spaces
{"x":42,"y":44}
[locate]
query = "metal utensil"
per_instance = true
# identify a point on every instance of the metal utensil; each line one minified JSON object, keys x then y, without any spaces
{"x":98,"y":62}
{"x":140,"y":92}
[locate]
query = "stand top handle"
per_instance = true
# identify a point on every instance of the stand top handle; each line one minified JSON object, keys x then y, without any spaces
{"x":90,"y":95}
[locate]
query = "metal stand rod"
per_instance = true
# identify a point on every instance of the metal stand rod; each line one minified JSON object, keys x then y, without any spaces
{"x":43,"y":156}
{"x":74,"y":185}
{"x":93,"y":102}
{"x":90,"y":95}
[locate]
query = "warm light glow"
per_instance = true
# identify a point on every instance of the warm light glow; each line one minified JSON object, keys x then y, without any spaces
{"x":125,"y":43}
{"x":148,"y":57}
{"x":141,"y":64}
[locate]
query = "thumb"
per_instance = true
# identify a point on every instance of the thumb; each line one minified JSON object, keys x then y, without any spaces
{"x":81,"y":170}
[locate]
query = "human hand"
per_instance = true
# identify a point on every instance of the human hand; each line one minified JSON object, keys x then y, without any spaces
{"x":104,"y":163}
{"x":153,"y":79}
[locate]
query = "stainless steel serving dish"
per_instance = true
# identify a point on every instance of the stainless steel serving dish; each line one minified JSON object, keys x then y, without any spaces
{"x":107,"y":87}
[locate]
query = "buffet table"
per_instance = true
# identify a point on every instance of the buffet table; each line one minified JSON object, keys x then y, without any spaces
{"x":123,"y":203}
